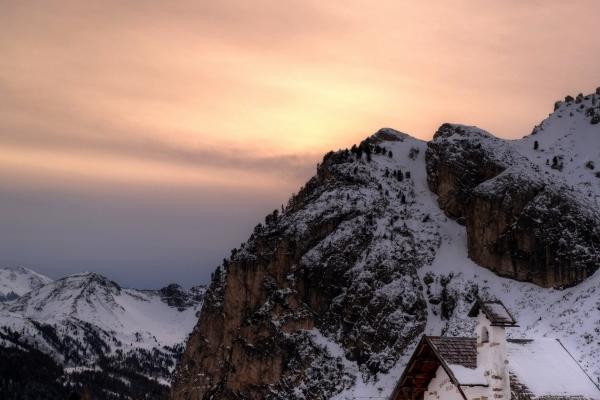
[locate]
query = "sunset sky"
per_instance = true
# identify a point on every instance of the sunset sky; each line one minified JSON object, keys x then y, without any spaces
{"x":145,"y":139}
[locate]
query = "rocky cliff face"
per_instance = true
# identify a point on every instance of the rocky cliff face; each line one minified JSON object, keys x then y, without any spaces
{"x":342,"y":259}
{"x":327,"y":297}
{"x":521,"y":223}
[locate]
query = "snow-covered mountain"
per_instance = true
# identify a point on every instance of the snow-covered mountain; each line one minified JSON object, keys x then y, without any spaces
{"x":126,"y":318}
{"x":395,"y":238}
{"x":16,"y":281}
{"x":570,"y":134}
{"x":391,"y":239}
{"x":87,"y":322}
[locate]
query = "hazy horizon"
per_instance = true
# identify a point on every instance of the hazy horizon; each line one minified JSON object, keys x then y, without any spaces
{"x":144,"y":140}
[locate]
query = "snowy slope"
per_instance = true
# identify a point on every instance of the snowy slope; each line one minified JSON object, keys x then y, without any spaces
{"x":84,"y":317}
{"x":92,"y":298}
{"x":393,"y":251}
{"x":425,"y":221}
{"x":571,"y":136}
{"x":16,"y":281}
{"x":572,"y":314}
{"x":452,"y":279}
{"x":342,"y":257}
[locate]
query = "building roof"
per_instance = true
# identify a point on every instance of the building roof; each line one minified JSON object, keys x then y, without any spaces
{"x":460,"y":356}
{"x":539,"y":369}
{"x":544,"y":369}
{"x":431,"y":353}
{"x":457,"y":350}
{"x":495,"y":311}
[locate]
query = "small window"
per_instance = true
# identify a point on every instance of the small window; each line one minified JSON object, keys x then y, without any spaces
{"x":485,"y":336}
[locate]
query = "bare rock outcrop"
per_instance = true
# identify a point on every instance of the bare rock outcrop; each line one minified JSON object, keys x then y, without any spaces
{"x":458,"y":161}
{"x":520,"y":224}
{"x":334,"y":271}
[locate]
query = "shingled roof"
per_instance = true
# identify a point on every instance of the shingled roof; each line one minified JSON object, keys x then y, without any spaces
{"x":457,"y":350}
{"x":432,"y":352}
{"x":539,"y":369}
{"x":543,"y":369}
{"x":495,"y":311}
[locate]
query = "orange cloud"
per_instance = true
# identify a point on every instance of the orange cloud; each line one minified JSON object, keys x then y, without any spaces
{"x":173,"y":81}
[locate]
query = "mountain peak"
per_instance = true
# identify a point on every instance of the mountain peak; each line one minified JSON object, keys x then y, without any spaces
{"x":86,"y":320}
{"x":94,"y":278}
{"x":76,"y":294}
{"x":565,"y":147}
{"x":587,"y":106}
{"x":17,"y":281}
{"x":380,"y":247}
{"x":389,"y":135}
{"x":176,"y":296}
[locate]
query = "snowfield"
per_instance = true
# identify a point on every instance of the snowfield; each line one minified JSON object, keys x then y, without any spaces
{"x":84,"y":317}
{"x":571,"y":315}
{"x":16,"y":281}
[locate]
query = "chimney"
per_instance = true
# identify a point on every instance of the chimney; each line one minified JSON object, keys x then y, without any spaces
{"x":492,"y":320}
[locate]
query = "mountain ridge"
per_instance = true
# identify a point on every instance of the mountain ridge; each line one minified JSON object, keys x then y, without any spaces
{"x":392,"y":238}
{"x":100,"y":334}
{"x":327,"y":298}
{"x":16,"y":281}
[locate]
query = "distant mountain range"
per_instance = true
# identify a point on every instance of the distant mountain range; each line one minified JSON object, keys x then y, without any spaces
{"x":17,"y":281}
{"x":99,"y":333}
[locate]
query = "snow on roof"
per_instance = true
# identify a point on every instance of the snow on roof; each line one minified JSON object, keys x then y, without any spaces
{"x":499,"y":311}
{"x":468,"y":376}
{"x":495,"y":311}
{"x":460,"y":355}
{"x":456,"y":350}
{"x":546,"y":368}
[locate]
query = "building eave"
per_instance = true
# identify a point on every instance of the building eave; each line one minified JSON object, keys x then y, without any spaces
{"x":446,"y":368}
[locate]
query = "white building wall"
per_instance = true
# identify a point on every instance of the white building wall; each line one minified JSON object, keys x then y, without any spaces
{"x":492,"y":356}
{"x":441,"y":388}
{"x":478,"y":392}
